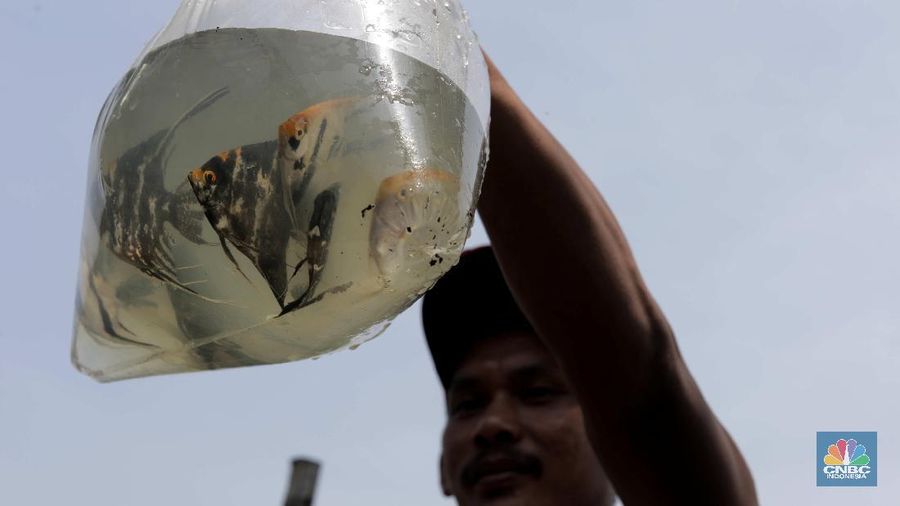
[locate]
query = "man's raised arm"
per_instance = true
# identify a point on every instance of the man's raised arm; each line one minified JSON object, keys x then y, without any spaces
{"x":573,"y":275}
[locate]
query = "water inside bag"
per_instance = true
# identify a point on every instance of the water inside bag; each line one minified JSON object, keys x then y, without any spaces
{"x":258,"y":196}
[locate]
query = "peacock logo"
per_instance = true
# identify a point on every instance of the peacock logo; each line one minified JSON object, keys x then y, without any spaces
{"x":846,"y":452}
{"x":849,"y":459}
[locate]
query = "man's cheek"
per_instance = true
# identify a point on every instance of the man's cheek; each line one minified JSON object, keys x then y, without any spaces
{"x":555,"y":418}
{"x":560,"y":431}
{"x":453,"y":458}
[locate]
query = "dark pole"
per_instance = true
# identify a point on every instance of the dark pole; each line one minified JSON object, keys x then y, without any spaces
{"x":303,"y":483}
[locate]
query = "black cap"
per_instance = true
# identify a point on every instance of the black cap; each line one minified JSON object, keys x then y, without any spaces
{"x":470,"y":303}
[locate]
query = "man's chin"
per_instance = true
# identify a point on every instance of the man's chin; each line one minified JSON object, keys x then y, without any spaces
{"x":503,"y":488}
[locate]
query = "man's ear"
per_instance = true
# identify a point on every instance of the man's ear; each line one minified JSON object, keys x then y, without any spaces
{"x":445,"y":478}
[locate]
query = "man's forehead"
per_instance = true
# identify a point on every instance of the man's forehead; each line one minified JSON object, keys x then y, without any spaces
{"x":512,"y":354}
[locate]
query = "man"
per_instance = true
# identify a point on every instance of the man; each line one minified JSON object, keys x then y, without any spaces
{"x":568,"y":383}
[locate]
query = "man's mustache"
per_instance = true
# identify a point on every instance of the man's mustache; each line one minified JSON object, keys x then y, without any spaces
{"x":500,"y":460}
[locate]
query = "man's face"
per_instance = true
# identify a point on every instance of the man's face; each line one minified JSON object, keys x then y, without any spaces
{"x":515,"y":433}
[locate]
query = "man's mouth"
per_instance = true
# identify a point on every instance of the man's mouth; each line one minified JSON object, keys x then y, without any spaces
{"x":498,"y":469}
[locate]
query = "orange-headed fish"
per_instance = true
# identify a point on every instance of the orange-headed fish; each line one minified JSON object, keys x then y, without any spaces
{"x":417,"y":202}
{"x":250,"y":194}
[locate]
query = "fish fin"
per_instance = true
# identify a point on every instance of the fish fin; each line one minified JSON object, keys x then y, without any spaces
{"x":187,"y":218}
{"x":275,"y":274}
{"x":320,"y":138}
{"x":107,"y":319}
{"x":336,"y":145}
{"x":343,"y":104}
{"x":224,"y":243}
{"x":246,"y":248}
{"x":298,"y":189}
{"x":205,"y":102}
{"x":167,"y":278}
{"x":303,"y":301}
{"x":285,"y":167}
{"x":165,"y":264}
{"x":321,"y":222}
{"x":164,"y":269}
{"x":318,"y":239}
{"x":297,"y":269}
{"x":172,"y":282}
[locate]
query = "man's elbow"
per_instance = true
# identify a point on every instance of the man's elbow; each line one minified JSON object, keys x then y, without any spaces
{"x":679,"y":451}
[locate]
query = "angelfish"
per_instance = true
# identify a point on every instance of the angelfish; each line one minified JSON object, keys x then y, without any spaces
{"x":138,"y":205}
{"x":418,"y":207}
{"x":308,"y":137}
{"x":132,"y":214}
{"x":250,"y":196}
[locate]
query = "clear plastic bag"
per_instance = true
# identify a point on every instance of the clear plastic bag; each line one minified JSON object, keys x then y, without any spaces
{"x":277,"y":179}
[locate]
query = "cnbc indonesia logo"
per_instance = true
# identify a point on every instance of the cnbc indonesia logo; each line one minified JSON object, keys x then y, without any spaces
{"x":847,"y":461}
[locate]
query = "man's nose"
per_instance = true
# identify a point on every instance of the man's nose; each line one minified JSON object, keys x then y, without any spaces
{"x":499,"y":424}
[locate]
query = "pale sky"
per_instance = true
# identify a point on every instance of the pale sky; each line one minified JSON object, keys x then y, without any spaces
{"x":749,"y":149}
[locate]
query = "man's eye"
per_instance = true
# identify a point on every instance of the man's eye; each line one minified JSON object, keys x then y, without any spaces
{"x":540,"y":394}
{"x":464,"y":406}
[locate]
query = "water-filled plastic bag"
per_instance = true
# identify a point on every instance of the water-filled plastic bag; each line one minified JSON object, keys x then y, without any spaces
{"x":273,"y":180}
